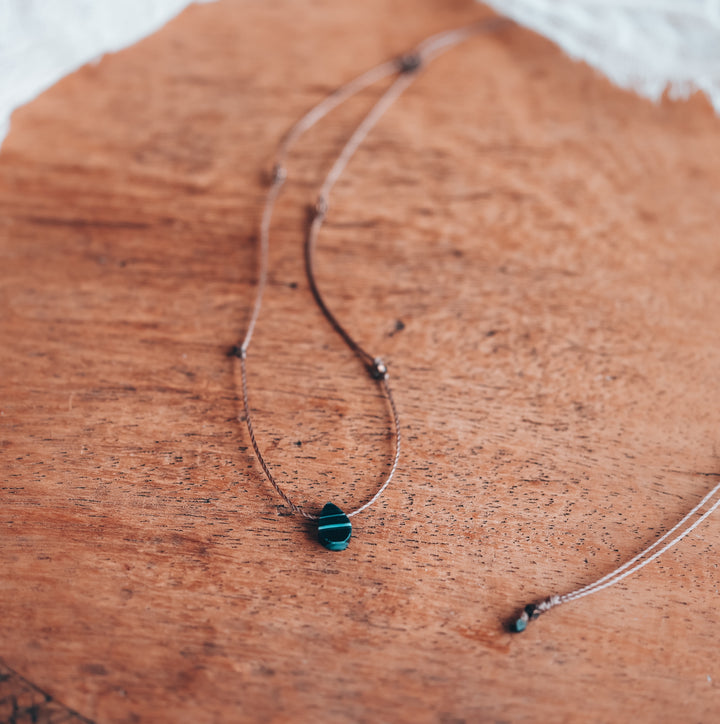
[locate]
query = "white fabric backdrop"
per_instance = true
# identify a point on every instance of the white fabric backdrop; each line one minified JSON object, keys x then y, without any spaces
{"x":644,"y":45}
{"x":43,"y":40}
{"x":640,"y":44}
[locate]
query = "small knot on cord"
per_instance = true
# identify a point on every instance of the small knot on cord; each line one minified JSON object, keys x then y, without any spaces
{"x":320,"y":208}
{"x":548,"y":603}
{"x":237,"y":350}
{"x":279,"y":173}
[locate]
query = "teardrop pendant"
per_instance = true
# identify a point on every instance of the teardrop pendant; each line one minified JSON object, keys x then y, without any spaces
{"x":334,"y":528}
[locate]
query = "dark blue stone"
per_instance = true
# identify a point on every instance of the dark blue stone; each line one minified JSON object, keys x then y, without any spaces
{"x":334,"y":528}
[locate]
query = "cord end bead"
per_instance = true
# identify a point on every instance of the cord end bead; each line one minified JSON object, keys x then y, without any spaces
{"x":530,"y":613}
{"x":378,"y":369}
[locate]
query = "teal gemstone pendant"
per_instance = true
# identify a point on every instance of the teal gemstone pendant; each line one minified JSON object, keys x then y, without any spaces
{"x":334,"y":528}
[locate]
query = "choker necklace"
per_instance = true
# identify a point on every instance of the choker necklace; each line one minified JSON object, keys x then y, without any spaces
{"x":334,"y":527}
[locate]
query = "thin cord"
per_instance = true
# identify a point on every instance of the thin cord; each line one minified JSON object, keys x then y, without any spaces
{"x":314,"y":115}
{"x":532,"y":611}
{"x":261,"y":459}
{"x":279,"y":176}
{"x":406,"y":67}
{"x":358,"y":136}
{"x":426,"y":51}
{"x":600,"y":583}
{"x":396,"y":421}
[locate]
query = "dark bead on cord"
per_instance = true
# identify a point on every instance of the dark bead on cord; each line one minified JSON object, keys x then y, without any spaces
{"x":378,"y":369}
{"x":409,"y":63}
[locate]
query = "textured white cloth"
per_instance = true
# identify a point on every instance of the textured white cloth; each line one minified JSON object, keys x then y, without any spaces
{"x":645,"y":45}
{"x":43,"y":40}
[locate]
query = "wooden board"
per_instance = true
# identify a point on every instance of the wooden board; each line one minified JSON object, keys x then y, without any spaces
{"x":533,"y":251}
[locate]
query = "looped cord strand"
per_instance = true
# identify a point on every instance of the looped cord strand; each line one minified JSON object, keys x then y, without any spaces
{"x":406,"y":71}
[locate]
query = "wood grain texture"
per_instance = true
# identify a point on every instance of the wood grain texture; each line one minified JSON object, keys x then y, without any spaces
{"x":533,"y":251}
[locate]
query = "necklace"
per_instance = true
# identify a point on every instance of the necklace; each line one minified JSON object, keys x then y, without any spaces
{"x":334,"y":527}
